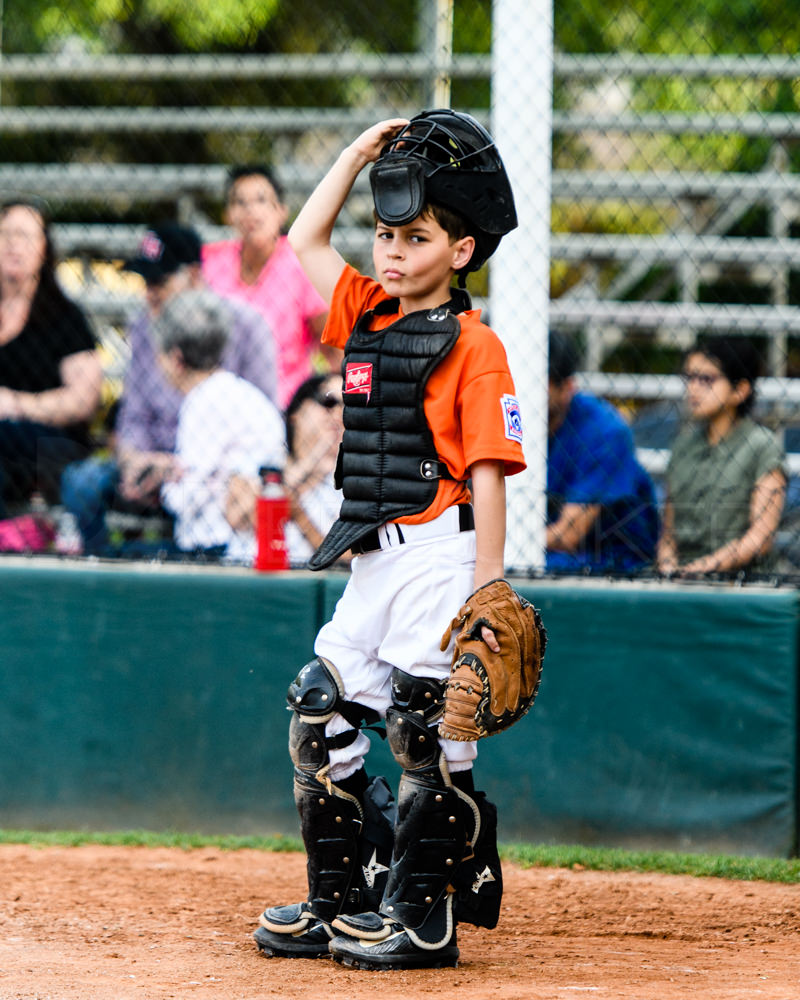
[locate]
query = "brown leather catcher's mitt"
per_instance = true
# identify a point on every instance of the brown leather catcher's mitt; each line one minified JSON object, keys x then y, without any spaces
{"x":487,"y":692}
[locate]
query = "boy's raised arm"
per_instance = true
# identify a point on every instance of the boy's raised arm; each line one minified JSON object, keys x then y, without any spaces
{"x":310,"y":234}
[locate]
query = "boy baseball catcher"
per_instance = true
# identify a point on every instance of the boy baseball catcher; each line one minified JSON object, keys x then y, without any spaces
{"x":432,"y":428}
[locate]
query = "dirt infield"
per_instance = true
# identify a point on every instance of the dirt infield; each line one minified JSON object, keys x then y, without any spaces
{"x":113,"y":923}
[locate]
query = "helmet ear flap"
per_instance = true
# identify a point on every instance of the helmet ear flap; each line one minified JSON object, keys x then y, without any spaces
{"x":398,"y":189}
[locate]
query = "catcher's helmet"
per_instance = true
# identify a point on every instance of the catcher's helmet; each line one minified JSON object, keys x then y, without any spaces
{"x":448,"y":158}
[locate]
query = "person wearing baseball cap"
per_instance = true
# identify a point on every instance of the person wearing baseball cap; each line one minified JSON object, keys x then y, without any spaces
{"x":168,"y":259}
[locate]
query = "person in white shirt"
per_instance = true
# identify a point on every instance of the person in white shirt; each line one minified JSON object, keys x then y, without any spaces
{"x":226,"y":426}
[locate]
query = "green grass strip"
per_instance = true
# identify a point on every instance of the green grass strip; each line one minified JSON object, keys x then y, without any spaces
{"x":147,"y":838}
{"x":525,"y":855}
{"x":663,"y":862}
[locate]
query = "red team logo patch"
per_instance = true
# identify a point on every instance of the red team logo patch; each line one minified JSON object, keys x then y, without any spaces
{"x":358,"y":378}
{"x":512,"y":418}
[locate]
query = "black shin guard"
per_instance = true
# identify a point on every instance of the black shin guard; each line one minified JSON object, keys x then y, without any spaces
{"x":348,"y":843}
{"x":479,"y":879}
{"x":331,"y":827}
{"x":430,"y":838}
{"x":430,"y":843}
{"x":446,"y":833}
{"x":347,"y":825}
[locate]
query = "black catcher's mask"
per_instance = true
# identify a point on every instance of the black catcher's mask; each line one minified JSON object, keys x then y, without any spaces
{"x":447,"y":158}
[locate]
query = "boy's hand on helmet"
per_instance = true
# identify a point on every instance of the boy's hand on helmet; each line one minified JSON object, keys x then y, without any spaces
{"x":371,"y":142}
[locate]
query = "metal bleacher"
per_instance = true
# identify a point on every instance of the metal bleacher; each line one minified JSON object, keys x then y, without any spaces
{"x":698,"y":209}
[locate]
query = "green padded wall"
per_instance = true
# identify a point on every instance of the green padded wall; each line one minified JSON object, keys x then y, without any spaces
{"x":156,"y":698}
{"x":666,"y":716}
{"x":152,"y":698}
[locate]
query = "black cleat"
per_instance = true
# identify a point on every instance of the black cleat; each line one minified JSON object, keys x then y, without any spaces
{"x":373,"y":942}
{"x":292,"y":932}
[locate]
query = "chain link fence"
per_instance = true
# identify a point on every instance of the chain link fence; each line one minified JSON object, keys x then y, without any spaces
{"x":674,"y":207}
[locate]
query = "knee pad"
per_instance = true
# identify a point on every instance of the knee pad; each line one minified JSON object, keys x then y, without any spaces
{"x":315,"y":696}
{"x":312,"y":696}
{"x":412,"y":720}
{"x":316,"y":691}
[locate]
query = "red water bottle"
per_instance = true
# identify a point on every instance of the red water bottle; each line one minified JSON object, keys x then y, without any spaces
{"x":272,"y":513}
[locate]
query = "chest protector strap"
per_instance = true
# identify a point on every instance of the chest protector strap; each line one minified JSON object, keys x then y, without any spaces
{"x":388,"y":466}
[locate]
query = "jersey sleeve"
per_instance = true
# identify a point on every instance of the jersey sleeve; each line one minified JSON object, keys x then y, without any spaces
{"x":492,"y":425}
{"x":353,"y":296}
{"x":489,"y":411}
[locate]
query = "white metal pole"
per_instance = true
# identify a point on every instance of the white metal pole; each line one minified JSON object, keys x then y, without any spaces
{"x":522,"y":97}
{"x":437,"y":43}
{"x":443,"y":53}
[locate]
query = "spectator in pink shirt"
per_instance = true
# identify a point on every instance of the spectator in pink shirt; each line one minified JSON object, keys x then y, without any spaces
{"x":260,"y":267}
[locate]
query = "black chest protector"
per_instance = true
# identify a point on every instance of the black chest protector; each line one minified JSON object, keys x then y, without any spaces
{"x":388,"y":466}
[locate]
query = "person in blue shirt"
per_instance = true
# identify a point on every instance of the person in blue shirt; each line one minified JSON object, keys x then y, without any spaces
{"x":601,"y":507}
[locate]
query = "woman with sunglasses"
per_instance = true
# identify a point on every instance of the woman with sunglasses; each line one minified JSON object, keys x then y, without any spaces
{"x":726,"y":478}
{"x":313,"y":431}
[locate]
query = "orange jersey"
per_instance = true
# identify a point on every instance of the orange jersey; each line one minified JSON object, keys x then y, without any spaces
{"x":469,"y":403}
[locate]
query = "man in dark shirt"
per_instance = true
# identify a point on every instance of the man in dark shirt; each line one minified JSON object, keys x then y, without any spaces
{"x":601,"y":509}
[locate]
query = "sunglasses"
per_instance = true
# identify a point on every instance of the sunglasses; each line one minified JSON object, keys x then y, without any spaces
{"x":329,"y":400}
